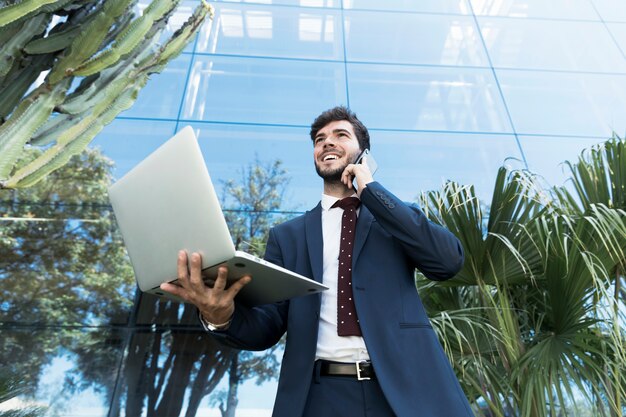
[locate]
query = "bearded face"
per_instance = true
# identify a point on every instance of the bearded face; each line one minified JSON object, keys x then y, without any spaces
{"x":336,"y":146}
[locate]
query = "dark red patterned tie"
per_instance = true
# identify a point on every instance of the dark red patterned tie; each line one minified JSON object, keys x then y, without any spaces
{"x":347,"y":321}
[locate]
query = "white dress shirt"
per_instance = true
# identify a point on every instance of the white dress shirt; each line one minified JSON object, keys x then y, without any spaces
{"x":331,"y":346}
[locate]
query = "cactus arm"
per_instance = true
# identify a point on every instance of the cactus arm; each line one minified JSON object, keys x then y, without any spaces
{"x":20,"y":127}
{"x":52,"y":43}
{"x":128,"y":55}
{"x":75,"y":139}
{"x":128,"y":39}
{"x":89,"y":40}
{"x":181,"y":37}
{"x":49,"y":132}
{"x":8,"y":31}
{"x":13,"y":91}
{"x":11,"y":50}
{"x":19,"y":10}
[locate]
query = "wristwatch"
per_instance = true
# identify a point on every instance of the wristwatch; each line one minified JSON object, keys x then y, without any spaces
{"x":214,"y":327}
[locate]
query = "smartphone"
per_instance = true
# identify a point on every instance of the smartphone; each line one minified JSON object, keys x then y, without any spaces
{"x":367,"y":158}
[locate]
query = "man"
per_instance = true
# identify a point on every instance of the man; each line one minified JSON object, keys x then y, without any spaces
{"x":365,"y":347}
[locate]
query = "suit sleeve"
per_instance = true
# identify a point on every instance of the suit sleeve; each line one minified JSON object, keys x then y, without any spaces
{"x":260,"y":327}
{"x":434,"y":250}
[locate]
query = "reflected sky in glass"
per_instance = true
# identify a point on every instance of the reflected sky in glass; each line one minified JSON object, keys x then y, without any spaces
{"x":545,"y":155}
{"x":76,"y":376}
{"x":127,"y":142}
{"x":411,"y":38}
{"x":182,"y":12}
{"x":551,"y":45}
{"x":427,"y":98}
{"x":301,"y":3}
{"x":267,"y":91}
{"x":552,"y":9}
{"x":611,"y":10}
{"x":430,"y":6}
{"x":412,"y":162}
{"x":258,"y":30}
{"x":565,"y":103}
{"x":228,"y":149}
{"x":161,"y":97}
{"x":618,"y":30}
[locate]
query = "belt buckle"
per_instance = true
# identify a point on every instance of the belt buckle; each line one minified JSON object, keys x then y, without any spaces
{"x":358,"y":372}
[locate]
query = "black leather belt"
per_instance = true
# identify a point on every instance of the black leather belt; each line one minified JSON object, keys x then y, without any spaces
{"x":362,"y":370}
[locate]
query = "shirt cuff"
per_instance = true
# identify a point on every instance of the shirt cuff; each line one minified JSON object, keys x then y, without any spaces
{"x":211,"y":327}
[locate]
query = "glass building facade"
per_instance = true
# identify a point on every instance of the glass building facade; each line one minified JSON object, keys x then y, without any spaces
{"x":450,"y":90}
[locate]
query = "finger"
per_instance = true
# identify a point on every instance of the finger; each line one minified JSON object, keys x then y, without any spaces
{"x":238,"y":285}
{"x":196,"y":270}
{"x":346,"y":176}
{"x":222,"y":278}
{"x":174,"y":289}
{"x":182,"y":270}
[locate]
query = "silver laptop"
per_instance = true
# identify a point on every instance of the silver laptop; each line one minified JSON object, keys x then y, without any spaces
{"x":168,"y":203}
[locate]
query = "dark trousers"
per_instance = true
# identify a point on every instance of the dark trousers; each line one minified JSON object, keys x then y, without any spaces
{"x":341,"y":396}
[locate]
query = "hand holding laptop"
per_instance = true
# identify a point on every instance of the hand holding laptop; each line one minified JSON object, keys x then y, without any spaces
{"x":217,"y":303}
{"x":155,"y":226}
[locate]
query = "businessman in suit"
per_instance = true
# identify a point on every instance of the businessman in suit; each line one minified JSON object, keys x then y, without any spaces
{"x":365,"y":347}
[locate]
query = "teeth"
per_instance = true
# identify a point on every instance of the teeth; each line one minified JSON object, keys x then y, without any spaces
{"x":329,"y":157}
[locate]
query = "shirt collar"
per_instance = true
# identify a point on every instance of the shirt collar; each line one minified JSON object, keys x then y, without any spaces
{"x":328,"y":200}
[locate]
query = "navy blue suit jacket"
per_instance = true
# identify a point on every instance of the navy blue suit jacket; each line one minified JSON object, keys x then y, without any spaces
{"x":392,"y":239}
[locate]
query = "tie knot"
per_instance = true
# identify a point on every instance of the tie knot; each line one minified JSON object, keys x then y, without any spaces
{"x":346,"y":203}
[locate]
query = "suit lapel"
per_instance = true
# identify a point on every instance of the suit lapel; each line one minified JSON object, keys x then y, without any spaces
{"x":362,"y":229}
{"x":314,"y":240}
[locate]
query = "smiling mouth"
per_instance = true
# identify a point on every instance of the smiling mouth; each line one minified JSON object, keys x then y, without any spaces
{"x":331,"y":157}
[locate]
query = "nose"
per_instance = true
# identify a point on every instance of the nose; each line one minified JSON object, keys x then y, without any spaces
{"x":329,"y":141}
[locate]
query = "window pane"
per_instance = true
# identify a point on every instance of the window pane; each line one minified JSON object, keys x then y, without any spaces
{"x":433,"y":6}
{"x":415,"y":162}
{"x":128,"y":142}
{"x":68,"y":372}
{"x":399,"y":38}
{"x":611,"y":10}
{"x":554,"y":45}
{"x":545,"y":155}
{"x":162,"y":95}
{"x":227,"y":149}
{"x":303,"y":3}
{"x":618,"y":30}
{"x":63,"y":260}
{"x":262,"y":90}
{"x":189,"y":369}
{"x":273,"y":31}
{"x":426,"y":98}
{"x":565,"y":103}
{"x":553,"y":9}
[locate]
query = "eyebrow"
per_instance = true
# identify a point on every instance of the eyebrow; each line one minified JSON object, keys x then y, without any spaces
{"x":319,"y":135}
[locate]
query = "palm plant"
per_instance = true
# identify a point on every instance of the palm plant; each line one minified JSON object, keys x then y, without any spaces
{"x":531,"y":314}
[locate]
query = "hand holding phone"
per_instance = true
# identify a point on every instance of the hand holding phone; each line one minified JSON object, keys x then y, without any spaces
{"x":351,"y":172}
{"x":366,"y":158}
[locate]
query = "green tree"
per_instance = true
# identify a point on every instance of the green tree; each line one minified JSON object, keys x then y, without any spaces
{"x":64,"y":272}
{"x":254,"y":205}
{"x":530,"y":322}
{"x":172,"y":364}
{"x":98,"y":45}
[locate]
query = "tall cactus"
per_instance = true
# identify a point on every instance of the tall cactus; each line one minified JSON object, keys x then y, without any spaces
{"x":99,"y":45}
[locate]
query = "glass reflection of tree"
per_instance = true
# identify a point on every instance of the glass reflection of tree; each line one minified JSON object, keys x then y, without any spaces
{"x":67,"y":286}
{"x":166,"y":360}
{"x":61,"y":265}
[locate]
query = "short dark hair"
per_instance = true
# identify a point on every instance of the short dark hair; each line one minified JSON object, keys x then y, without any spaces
{"x":342,"y":113}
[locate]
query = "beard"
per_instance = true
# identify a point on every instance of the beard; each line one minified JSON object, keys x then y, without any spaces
{"x":332,"y":175}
